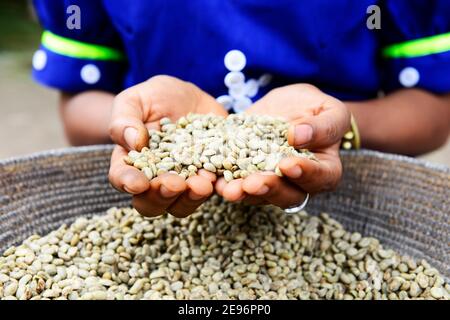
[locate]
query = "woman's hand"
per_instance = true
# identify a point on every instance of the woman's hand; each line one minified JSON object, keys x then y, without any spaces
{"x":140,"y":108}
{"x":318,"y":123}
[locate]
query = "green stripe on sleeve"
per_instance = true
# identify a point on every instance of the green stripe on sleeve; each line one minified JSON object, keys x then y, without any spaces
{"x":419,"y":47}
{"x":76,"y":49}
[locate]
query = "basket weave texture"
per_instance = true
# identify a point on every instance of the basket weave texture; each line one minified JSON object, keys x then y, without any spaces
{"x":403,"y":202}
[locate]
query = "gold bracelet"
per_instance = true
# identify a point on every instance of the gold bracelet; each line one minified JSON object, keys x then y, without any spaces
{"x":351,"y":139}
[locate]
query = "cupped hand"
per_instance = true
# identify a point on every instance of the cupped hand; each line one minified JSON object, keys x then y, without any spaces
{"x":318,"y":123}
{"x":140,"y":108}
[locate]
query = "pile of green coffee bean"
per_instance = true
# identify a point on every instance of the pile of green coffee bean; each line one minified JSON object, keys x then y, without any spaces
{"x":222,"y":251}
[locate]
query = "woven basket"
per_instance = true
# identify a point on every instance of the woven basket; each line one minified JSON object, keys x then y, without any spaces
{"x":403,"y":202}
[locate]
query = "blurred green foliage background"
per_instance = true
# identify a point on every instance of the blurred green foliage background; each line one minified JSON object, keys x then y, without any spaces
{"x":20,"y":29}
{"x":28,"y":112}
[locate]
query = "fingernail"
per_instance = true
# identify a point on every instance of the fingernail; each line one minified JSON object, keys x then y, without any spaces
{"x":263,"y":190}
{"x":128,"y":190}
{"x":302,"y":134}
{"x":294,"y":172}
{"x":166,"y":193}
{"x":130,"y":135}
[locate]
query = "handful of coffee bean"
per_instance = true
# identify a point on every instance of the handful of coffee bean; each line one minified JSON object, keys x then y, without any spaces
{"x":233,"y":146}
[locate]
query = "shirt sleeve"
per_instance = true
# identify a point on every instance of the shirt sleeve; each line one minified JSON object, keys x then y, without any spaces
{"x":416,"y":45}
{"x":75,"y":59}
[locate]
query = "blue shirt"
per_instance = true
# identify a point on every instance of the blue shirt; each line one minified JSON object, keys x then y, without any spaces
{"x":322,"y":42}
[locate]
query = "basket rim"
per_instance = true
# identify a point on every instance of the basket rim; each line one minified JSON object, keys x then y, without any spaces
{"x":103,"y":147}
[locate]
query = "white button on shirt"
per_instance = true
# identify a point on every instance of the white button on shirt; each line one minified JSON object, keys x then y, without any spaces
{"x":90,"y":74}
{"x":234,"y":79}
{"x":264,"y":79}
{"x":409,"y":77}
{"x":251,"y":88}
{"x":240,"y":91}
{"x":39,"y":60}
{"x":225,"y":101}
{"x":242,"y":104}
{"x":235,"y":60}
{"x":237,"y":92}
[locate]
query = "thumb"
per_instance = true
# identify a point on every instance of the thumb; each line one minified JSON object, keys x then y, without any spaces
{"x":127,"y":126}
{"x":321,"y":130}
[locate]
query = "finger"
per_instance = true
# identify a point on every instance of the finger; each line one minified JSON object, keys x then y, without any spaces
{"x":313,"y":176}
{"x":273,"y":189}
{"x":208,"y":175}
{"x":163,"y":192}
{"x":199,"y":187}
{"x":198,"y":190}
{"x":169,"y":185}
{"x":322,"y":129}
{"x":127,"y":120}
{"x":232,"y":191}
{"x":220,"y":186}
{"x":124,"y":177}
